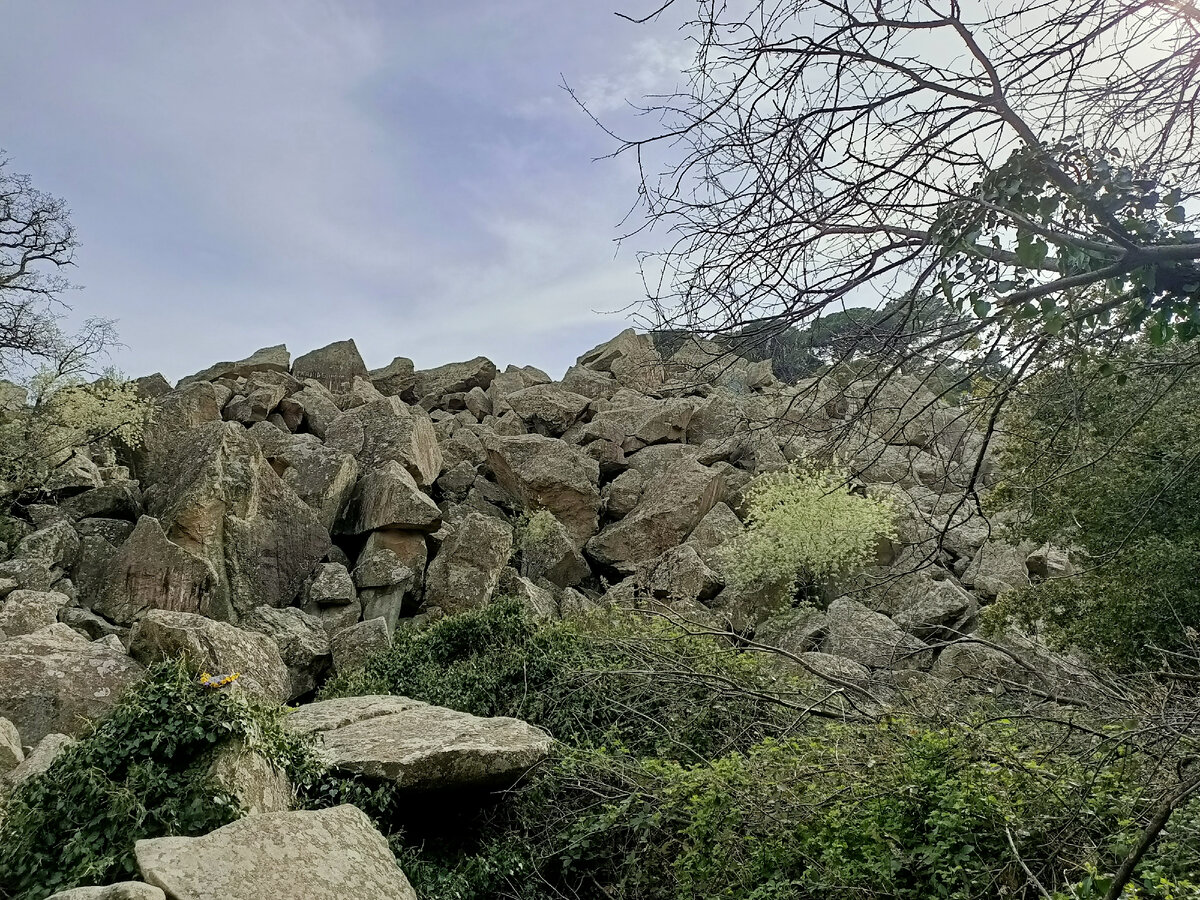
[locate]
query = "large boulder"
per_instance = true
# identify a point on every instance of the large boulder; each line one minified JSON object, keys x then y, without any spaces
{"x":634,"y":421}
{"x":226,"y":504}
{"x":118,"y":500}
{"x":396,"y":379}
{"x":547,"y":552}
{"x":11,"y":754}
{"x":388,"y":429}
{"x":935,"y":610}
{"x":55,"y":680}
{"x":418,"y":746}
{"x":700,"y":364}
{"x":353,"y":646}
{"x":547,"y":409}
{"x":871,"y":638}
{"x":680,"y":574}
{"x":37,"y":761}
{"x":334,"y":366}
{"x":671,"y":506}
{"x":329,"y":854}
{"x":250,"y":778}
{"x":317,"y":406}
{"x":268,"y":359}
{"x":388,"y":497}
{"x":466,"y":571}
{"x":215,"y":647}
{"x":321,"y":476}
{"x":303,"y":644}
{"x":453,"y":378}
{"x":171,"y":420}
{"x":544,"y":473}
{"x":56,"y":546}
{"x":630,"y":358}
{"x":122,"y":890}
{"x":148,"y":572}
{"x":24,"y":612}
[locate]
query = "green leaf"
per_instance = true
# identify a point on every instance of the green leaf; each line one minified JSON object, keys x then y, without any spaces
{"x":1176,"y":214}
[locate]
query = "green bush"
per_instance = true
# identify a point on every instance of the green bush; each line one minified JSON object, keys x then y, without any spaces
{"x":804,"y":527}
{"x":618,"y":680}
{"x":140,"y":773}
{"x":1120,"y":613}
{"x":1106,"y":463}
{"x":904,"y":809}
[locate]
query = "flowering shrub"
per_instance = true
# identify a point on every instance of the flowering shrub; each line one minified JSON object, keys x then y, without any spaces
{"x":66,"y":416}
{"x":803,"y":527}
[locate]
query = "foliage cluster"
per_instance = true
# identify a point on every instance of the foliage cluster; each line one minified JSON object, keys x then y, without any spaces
{"x":1101,"y":454}
{"x":532,"y":534}
{"x":142,"y":772}
{"x":67,"y":416}
{"x":609,"y":680}
{"x":804,"y":527}
{"x":656,"y":795}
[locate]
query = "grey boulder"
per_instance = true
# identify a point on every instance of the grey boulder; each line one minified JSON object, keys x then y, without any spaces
{"x":330,"y":854}
{"x":418,"y":746}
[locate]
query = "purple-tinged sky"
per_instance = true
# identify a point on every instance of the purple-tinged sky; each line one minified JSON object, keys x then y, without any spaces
{"x":252,"y":172}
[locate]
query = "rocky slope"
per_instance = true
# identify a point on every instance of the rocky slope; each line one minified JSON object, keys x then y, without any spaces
{"x":284,"y":517}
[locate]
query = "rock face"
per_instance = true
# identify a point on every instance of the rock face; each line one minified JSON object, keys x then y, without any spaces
{"x":417,"y":746}
{"x":215,"y":647}
{"x":151,"y":572}
{"x":332,"y":854}
{"x":547,"y":474}
{"x":227,"y":506}
{"x":55,"y":680}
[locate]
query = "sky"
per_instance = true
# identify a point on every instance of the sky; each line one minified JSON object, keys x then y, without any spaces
{"x":243,"y":173}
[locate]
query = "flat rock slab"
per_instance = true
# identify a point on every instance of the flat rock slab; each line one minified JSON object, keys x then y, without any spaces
{"x":125,"y":890}
{"x":331,"y":854}
{"x":419,"y":746}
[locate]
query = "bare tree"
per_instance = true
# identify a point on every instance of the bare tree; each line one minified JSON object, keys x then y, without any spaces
{"x":37,"y":243}
{"x":1012,"y":185}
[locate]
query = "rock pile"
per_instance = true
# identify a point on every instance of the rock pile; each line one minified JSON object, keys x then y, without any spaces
{"x":284,"y":518}
{"x":287,"y":517}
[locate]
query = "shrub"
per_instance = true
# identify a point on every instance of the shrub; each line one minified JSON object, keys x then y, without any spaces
{"x":1106,"y":463}
{"x":1121,"y":613}
{"x":532,"y":533}
{"x":804,"y":527}
{"x":65,"y":417}
{"x":903,"y":809}
{"x":140,"y":773}
{"x":618,"y":679}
